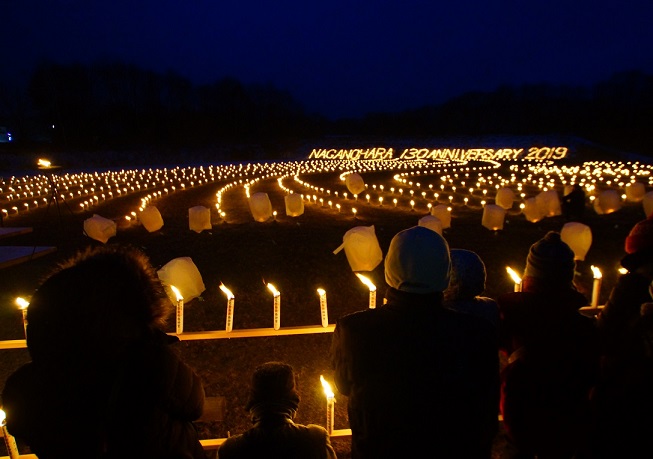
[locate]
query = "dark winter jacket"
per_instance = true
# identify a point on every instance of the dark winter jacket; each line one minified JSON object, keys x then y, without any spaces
{"x":421,"y":380}
{"x":274,"y":435}
{"x":142,"y":406}
{"x":553,"y":364}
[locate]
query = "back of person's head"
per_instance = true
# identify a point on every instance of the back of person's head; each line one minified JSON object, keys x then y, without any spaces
{"x":468,"y":275}
{"x":95,"y":304}
{"x":639,"y":245}
{"x":550,"y":263}
{"x":418,"y":261}
{"x":273,"y":387}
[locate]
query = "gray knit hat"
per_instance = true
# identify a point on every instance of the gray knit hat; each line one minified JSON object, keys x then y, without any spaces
{"x":418,"y":261}
{"x":550,"y":259}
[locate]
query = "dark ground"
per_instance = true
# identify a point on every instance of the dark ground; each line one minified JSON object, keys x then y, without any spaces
{"x":295,"y":254}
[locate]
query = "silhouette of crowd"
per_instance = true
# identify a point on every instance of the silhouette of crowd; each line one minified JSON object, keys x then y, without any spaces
{"x":425,"y":374}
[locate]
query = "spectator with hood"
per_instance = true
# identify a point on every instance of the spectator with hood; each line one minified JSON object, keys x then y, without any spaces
{"x":553,"y":357}
{"x":272,"y":405}
{"x":623,"y":399}
{"x":467,"y":285}
{"x":421,"y":379}
{"x":103,"y":381}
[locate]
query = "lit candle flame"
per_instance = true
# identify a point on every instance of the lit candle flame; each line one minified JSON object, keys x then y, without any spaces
{"x":327,"y":387}
{"x":44,"y":163}
{"x":22,"y":303}
{"x":274,"y":291}
{"x":177,"y":293}
{"x":515,"y":277}
{"x":367,"y":282}
{"x":226,"y":292}
{"x":596,"y":272}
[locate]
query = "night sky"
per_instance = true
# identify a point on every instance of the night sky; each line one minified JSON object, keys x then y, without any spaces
{"x":340,"y":58}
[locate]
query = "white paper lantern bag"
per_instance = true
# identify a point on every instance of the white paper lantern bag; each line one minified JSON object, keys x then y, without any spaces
{"x":608,"y":201}
{"x":151,"y":219}
{"x":505,"y":197}
{"x":199,"y":218}
{"x":549,"y":203}
{"x":361,"y":248}
{"x":260,"y":206}
{"x":635,"y":192}
{"x":355,"y":183}
{"x":99,"y":228}
{"x":432,"y":223}
{"x":578,"y":237}
{"x":532,"y":210}
{"x":493,"y":217}
{"x":647,"y":203}
{"x":183,"y":274}
{"x":442,"y":213}
{"x":294,"y":205}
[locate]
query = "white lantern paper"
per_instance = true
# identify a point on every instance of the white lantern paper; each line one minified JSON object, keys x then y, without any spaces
{"x":151,"y":219}
{"x":505,"y":198}
{"x":183,"y":274}
{"x":532,"y":210}
{"x":432,"y":223}
{"x":442,"y":213}
{"x":549,"y":203}
{"x":294,"y":205}
{"x":361,"y":248}
{"x":260,"y":206}
{"x":578,"y":237}
{"x":199,"y":219}
{"x":99,"y":228}
{"x":493,"y":217}
{"x":647,"y":203}
{"x":635,"y":192}
{"x":608,"y":201}
{"x":355,"y":183}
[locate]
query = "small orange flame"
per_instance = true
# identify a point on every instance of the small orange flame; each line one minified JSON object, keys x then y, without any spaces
{"x":367,"y":282}
{"x":177,"y":293}
{"x":596,"y":272}
{"x":327,"y":387}
{"x":515,"y":277}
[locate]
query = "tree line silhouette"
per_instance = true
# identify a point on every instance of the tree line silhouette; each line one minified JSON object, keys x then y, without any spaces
{"x":120,"y":106}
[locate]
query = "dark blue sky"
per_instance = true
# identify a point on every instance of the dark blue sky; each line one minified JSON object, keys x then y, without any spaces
{"x":341,"y":57}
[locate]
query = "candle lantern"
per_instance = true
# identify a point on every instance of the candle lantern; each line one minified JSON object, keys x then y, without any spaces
{"x":443,"y":213}
{"x":532,"y":211}
{"x":184,"y":274}
{"x":431,"y":222}
{"x":493,"y":217}
{"x":277,"y":306}
{"x":199,"y":219}
{"x":230,"y":307}
{"x":608,"y":201}
{"x":10,"y":441}
{"x":22,"y":305}
{"x":596,"y":287}
{"x":151,"y":219}
{"x":323,"y":307}
{"x":260,"y":206}
{"x":331,"y":401}
{"x":294,"y":205}
{"x":505,"y":197}
{"x":372,"y":288}
{"x":515,"y":278}
{"x":179,"y":324}
{"x":355,"y":183}
{"x":362,"y":248}
{"x":578,"y":237}
{"x":99,"y":228}
{"x":549,"y":203}
{"x":635,"y":191}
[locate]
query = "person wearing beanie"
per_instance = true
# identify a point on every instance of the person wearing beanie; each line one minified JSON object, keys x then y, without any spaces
{"x":414,"y":359}
{"x":467,"y":285}
{"x":102,"y":369}
{"x":552,"y":353}
{"x":272,"y":404}
{"x":623,"y":400}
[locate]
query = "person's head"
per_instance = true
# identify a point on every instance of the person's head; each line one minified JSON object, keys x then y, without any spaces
{"x":418,"y":261}
{"x":639,"y":247}
{"x":550,"y":263}
{"x":96,"y":303}
{"x":468,"y":275}
{"x":273,"y":388}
